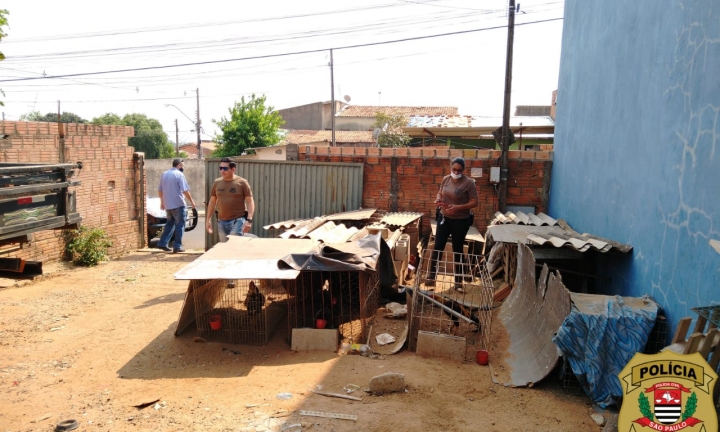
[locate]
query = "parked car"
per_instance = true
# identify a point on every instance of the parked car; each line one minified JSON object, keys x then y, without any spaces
{"x":157,"y":218}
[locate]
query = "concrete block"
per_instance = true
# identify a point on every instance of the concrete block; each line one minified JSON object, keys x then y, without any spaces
{"x":440,"y":346}
{"x":307,"y":339}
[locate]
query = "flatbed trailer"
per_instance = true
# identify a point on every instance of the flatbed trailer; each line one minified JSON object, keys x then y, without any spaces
{"x":36,"y":197}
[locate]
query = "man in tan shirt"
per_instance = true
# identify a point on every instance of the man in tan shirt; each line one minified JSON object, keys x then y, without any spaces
{"x":233,"y":198}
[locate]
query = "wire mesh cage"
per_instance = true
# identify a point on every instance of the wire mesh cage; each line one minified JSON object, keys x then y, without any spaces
{"x":453,"y":296}
{"x":343,"y":300}
{"x":242,"y":311}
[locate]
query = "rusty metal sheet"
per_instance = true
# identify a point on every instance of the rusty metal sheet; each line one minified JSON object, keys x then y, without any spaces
{"x":521,"y":348}
{"x":245,"y":258}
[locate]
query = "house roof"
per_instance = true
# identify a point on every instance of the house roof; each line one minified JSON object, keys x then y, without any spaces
{"x":369,"y":111}
{"x":311,"y":136}
{"x":476,"y":125}
{"x":191,"y":149}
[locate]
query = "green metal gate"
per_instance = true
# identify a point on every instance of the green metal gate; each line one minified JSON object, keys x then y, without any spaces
{"x":286,"y":190}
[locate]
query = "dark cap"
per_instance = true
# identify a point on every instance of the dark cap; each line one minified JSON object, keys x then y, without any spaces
{"x":177,"y":162}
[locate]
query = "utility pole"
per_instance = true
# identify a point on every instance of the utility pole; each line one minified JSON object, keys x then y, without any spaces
{"x":197,"y":126}
{"x":332,"y":96}
{"x":177,"y":142}
{"x":502,"y":198}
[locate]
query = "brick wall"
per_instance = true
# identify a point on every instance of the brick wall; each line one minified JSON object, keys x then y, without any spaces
{"x":407,"y":179}
{"x":108,"y":194}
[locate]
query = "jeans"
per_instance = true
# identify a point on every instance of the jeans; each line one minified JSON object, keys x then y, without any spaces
{"x":230,"y":227}
{"x":458,"y":229}
{"x":175,"y":222}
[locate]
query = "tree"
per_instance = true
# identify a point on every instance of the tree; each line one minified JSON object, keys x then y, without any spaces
{"x":3,"y":23}
{"x":251,"y":124}
{"x":66,"y":117}
{"x":391,"y":130}
{"x":149,"y":135}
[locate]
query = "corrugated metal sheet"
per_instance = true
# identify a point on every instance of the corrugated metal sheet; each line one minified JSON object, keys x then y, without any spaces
{"x":401,"y":218}
{"x":292,"y":223}
{"x":520,"y":218}
{"x":554,"y":236}
{"x":245,"y":258}
{"x":290,"y":189}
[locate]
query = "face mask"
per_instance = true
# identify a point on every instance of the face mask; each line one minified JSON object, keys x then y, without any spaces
{"x":455,"y":176}
{"x":181,"y":169}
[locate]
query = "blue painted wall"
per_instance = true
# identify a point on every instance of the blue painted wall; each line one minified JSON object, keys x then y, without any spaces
{"x":637,"y":143}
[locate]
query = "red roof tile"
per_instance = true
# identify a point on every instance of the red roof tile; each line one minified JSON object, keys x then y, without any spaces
{"x":311,"y":136}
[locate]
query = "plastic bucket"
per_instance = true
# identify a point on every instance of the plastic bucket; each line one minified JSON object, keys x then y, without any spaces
{"x":215,"y":322}
{"x":482,"y":357}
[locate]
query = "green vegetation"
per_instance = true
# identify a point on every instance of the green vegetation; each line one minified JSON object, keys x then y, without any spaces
{"x":149,"y":135}
{"x":391,"y":130}
{"x":251,"y":124}
{"x":87,"y":246}
{"x":3,"y":23}
{"x":66,"y":117}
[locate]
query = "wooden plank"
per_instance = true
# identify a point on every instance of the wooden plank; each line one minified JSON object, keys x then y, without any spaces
{"x":700,"y":324}
{"x":328,"y":415}
{"x":693,"y":343}
{"x":337,"y":395}
{"x":715,"y":358}
{"x":682,"y":329}
{"x":708,"y":342}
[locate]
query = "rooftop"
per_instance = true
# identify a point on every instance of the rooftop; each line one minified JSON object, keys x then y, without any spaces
{"x":369,"y":111}
{"x":312,"y":136}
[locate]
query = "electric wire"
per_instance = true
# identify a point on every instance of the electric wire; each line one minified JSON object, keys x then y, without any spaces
{"x":263,"y":56}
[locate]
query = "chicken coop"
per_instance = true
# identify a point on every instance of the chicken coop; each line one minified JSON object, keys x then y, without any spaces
{"x":240,"y":311}
{"x":343,"y":300}
{"x":237,"y":290}
{"x":452,"y":298}
{"x":242,"y":290}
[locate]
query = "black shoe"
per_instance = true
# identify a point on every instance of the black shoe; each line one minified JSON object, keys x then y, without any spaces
{"x":165,"y":248}
{"x":179,"y":250}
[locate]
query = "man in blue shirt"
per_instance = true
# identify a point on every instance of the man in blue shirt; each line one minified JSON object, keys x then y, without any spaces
{"x":173,"y":186}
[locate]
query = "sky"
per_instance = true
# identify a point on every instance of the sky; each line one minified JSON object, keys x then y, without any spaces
{"x":385,"y":52}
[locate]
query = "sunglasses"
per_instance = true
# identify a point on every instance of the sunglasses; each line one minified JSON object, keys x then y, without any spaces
{"x":222,"y":168}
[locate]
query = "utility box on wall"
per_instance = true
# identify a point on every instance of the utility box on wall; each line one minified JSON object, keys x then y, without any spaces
{"x":494,"y":174}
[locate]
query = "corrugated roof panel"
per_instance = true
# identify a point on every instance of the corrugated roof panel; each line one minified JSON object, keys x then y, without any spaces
{"x":370,"y":111}
{"x":400,"y":218}
{"x":521,"y":218}
{"x":554,"y":236}
{"x":330,"y":232}
{"x":361,"y":214}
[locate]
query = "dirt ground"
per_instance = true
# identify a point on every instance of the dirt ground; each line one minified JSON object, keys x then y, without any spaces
{"x":88,"y":344}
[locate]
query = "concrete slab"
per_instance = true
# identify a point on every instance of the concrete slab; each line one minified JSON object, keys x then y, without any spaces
{"x":307,"y":339}
{"x":440,"y":346}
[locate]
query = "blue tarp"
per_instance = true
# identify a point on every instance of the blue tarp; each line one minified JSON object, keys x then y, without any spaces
{"x":600,"y":336}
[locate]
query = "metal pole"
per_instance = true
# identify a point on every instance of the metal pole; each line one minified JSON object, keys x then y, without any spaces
{"x":197,"y":126}
{"x":177,"y":141}
{"x":332,"y":96}
{"x":502,"y":198}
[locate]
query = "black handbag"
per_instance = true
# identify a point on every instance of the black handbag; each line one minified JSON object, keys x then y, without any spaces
{"x":438,"y":215}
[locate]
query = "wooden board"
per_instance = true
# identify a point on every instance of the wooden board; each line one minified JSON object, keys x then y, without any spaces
{"x":329,"y":415}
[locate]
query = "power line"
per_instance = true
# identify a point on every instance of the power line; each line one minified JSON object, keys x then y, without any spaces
{"x":279,"y":54}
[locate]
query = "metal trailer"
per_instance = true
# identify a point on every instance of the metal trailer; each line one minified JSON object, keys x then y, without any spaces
{"x":36,"y":197}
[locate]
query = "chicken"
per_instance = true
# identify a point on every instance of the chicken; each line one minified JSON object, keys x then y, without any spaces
{"x":255,"y":300}
{"x":459,"y":309}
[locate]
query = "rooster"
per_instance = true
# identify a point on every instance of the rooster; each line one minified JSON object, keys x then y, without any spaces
{"x":255,"y":300}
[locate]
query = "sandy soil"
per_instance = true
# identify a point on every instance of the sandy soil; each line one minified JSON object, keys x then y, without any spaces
{"x":88,"y":344}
